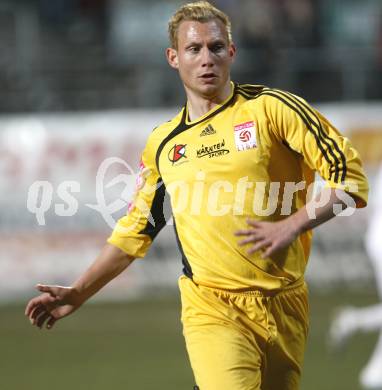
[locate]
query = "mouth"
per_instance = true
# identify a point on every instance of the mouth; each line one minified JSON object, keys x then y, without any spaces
{"x":207,"y":76}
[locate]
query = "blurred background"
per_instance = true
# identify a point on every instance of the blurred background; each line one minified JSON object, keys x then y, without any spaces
{"x":82,"y":84}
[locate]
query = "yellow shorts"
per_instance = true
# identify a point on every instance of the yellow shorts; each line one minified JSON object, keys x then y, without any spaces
{"x":244,"y":340}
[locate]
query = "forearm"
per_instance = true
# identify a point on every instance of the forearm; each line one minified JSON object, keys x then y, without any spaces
{"x":311,"y":215}
{"x":110,"y":263}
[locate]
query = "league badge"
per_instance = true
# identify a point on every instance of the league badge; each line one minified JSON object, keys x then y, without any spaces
{"x":245,"y":136}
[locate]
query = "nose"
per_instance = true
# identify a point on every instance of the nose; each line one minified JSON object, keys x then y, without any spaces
{"x":207,"y":60}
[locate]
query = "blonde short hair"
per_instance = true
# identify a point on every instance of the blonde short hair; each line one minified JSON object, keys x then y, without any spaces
{"x":199,"y":11}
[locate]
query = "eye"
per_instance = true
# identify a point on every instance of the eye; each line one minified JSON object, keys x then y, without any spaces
{"x":217,"y":48}
{"x":193,"y":49}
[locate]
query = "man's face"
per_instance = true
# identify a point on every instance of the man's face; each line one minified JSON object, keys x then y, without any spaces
{"x":203,"y":57}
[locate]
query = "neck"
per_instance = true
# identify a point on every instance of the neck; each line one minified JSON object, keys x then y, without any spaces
{"x":198,"y":105}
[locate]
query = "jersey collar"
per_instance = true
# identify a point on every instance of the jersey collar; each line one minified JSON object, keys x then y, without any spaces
{"x":211,"y":112}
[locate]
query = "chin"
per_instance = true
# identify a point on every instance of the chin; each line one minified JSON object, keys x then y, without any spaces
{"x":209,"y":90}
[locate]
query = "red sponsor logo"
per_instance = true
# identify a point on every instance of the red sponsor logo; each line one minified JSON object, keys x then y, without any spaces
{"x":177,"y":153}
{"x":244,"y":126}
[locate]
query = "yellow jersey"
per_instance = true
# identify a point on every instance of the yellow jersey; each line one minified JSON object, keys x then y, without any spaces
{"x":253,"y":156}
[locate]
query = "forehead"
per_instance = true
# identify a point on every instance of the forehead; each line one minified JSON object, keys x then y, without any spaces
{"x":193,"y":31}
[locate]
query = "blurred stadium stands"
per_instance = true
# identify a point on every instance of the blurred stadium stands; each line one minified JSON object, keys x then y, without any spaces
{"x":59,"y":55}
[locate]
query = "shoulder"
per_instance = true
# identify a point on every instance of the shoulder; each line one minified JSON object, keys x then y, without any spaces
{"x":170,"y":124}
{"x":160,"y":132}
{"x":264,"y":94}
{"x":158,"y":136}
{"x":249,"y":91}
{"x":274,"y":102}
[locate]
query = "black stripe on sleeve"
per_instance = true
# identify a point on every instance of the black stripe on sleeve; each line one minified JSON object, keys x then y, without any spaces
{"x":156,"y":212}
{"x":321,"y":137}
{"x":309,"y":127}
{"x":251,"y":92}
{"x":334,"y":161}
{"x":323,"y":134}
{"x":245,"y":94}
{"x":252,"y":88}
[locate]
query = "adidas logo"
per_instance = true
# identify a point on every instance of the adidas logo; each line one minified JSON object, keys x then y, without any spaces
{"x":209,"y":130}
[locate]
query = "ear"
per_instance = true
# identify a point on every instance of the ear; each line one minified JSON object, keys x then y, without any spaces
{"x":232,"y":51}
{"x":172,"y":57}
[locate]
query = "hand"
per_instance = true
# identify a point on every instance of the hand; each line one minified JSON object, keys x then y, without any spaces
{"x":55,"y":303}
{"x":268,"y":236}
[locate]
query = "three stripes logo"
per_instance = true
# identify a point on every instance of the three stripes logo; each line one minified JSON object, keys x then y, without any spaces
{"x":209,"y":130}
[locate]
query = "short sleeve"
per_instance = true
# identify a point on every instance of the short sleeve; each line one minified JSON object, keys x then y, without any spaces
{"x":135,"y":232}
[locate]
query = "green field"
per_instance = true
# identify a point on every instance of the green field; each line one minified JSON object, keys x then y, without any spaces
{"x":138,"y":345}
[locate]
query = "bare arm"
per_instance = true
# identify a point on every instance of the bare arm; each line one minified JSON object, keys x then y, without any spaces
{"x":57,"y":302}
{"x":110,"y":263}
{"x":273,"y":236}
{"x":311,"y":216}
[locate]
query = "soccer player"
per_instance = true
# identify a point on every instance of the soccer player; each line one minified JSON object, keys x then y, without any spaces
{"x":350,"y":320}
{"x":237,"y":161}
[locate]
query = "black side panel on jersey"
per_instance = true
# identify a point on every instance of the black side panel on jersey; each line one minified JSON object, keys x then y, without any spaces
{"x":156,"y":212}
{"x":186,"y":265}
